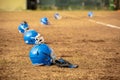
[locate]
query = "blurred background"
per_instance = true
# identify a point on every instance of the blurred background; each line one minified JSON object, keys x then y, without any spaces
{"x":12,"y":5}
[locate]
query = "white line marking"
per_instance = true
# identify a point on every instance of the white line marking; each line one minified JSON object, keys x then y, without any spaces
{"x":109,"y":25}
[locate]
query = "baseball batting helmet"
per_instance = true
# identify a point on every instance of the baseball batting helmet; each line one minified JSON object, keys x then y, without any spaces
{"x":44,"y":20}
{"x":57,"y":16}
{"x":90,"y":14}
{"x":33,"y":37}
{"x":40,"y":55}
{"x":23,"y":27}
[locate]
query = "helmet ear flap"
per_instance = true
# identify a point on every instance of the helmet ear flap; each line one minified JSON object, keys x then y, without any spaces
{"x":31,"y":41}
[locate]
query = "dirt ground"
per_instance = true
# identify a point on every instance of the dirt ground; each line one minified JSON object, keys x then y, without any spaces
{"x":94,"y":47}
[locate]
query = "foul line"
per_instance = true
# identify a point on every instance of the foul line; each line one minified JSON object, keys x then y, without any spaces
{"x":109,"y":25}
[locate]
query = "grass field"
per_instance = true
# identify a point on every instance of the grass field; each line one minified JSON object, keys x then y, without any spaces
{"x":94,"y":47}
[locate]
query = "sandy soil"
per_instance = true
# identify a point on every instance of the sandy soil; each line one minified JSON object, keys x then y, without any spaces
{"x":94,"y":47}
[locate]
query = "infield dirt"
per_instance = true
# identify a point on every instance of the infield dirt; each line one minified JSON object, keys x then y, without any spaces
{"x":95,"y":48}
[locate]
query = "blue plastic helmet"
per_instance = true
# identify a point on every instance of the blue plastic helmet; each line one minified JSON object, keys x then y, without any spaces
{"x":23,"y":27}
{"x":33,"y":37}
{"x":44,"y":21}
{"x":40,"y":55}
{"x":90,"y":14}
{"x":57,"y":16}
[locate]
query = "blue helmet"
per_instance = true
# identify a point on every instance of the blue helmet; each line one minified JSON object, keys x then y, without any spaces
{"x":40,"y":55}
{"x":57,"y":16}
{"x":44,"y":21}
{"x":23,"y":27}
{"x":90,"y":14}
{"x":33,"y":37}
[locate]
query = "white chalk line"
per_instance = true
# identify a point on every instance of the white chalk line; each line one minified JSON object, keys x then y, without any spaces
{"x":105,"y":24}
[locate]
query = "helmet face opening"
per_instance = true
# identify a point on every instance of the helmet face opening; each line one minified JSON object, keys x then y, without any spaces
{"x":39,"y":39}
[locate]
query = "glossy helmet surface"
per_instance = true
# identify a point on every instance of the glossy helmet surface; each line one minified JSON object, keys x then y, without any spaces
{"x":23,"y":27}
{"x":33,"y":37}
{"x":44,"y":20}
{"x":90,"y":14}
{"x":40,"y":55}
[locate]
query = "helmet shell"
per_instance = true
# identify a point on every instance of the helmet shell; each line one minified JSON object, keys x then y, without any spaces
{"x":44,"y":20}
{"x":23,"y":27}
{"x":90,"y":14}
{"x":29,"y":36}
{"x":57,"y":16}
{"x":40,"y":55}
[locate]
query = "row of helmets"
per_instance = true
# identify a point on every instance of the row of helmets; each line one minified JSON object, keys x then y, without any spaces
{"x":40,"y":52}
{"x":32,"y":37}
{"x":24,"y":28}
{"x":57,"y":16}
{"x":45,"y":21}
